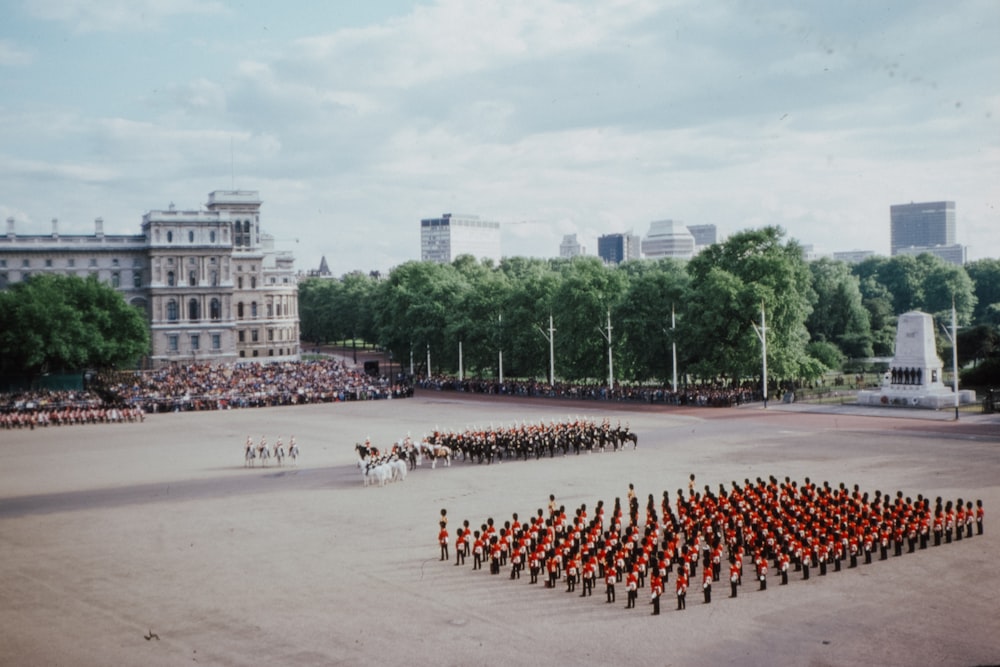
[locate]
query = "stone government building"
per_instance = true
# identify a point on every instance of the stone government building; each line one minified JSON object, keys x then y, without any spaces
{"x":212,"y":286}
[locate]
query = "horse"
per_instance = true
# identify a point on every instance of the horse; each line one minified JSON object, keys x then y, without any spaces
{"x":263,"y":452}
{"x":279,"y":452}
{"x":293,"y":451}
{"x":398,"y":469}
{"x":374,"y":472}
{"x":248,"y":457}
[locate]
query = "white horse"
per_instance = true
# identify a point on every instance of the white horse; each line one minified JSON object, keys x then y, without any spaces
{"x":293,"y":451}
{"x":279,"y":452}
{"x":399,"y":469}
{"x":264,"y":452}
{"x":374,"y":472}
{"x":248,"y":457}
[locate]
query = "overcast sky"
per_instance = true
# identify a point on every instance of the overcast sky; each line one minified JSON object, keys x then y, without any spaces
{"x":354,"y":120}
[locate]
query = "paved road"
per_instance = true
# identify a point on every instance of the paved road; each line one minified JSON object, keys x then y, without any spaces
{"x":107,"y":532}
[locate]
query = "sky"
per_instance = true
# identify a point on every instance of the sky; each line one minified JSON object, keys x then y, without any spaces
{"x":355,"y":120}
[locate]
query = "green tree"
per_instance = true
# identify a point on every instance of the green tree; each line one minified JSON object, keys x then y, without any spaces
{"x":729,"y":282}
{"x":587,"y":292}
{"x":985,"y":275}
{"x":653,"y":291}
{"x":878,"y":302}
{"x":838,"y":314}
{"x":946,"y":284}
{"x":52,"y":322}
{"x":531,"y":300}
{"x":412,"y":311}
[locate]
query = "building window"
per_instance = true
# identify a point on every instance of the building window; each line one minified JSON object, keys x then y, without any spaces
{"x":215,"y":278}
{"x":171,"y":280}
{"x":253,"y":282}
{"x":170,"y":261}
{"x":239,"y":282}
{"x":211,"y":236}
{"x":190,"y":237}
{"x":239,"y":310}
{"x":93,"y":261}
{"x":255,"y":353}
{"x":215,"y":309}
{"x":216,"y":342}
{"x":194,"y":310}
{"x":195,"y":342}
{"x":253,"y":309}
{"x":136,"y":279}
{"x":170,"y":237}
{"x":192,"y":278}
{"x":48,"y":263}
{"x":114,"y":262}
{"x":116,"y":280}
{"x":3,"y":263}
{"x":270,"y":335}
{"x":25,"y":263}
{"x":253,"y":335}
{"x":172,"y":310}
{"x":243,"y":337}
{"x":243,"y":353}
{"x":270,"y":310}
{"x":172,"y":342}
{"x":69,"y":262}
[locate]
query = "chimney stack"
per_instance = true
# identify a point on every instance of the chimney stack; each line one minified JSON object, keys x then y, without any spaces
{"x":55,"y":228}
{"x":99,"y":227}
{"x":10,"y":227}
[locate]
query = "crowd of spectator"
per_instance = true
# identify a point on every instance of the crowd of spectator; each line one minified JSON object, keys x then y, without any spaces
{"x":123,"y":396}
{"x":701,"y":395}
{"x":227,"y":386}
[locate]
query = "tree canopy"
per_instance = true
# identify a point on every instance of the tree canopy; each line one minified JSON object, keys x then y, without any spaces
{"x":64,"y":323}
{"x":818,"y":314}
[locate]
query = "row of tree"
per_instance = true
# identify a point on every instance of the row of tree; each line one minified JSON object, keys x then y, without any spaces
{"x":817,"y":313}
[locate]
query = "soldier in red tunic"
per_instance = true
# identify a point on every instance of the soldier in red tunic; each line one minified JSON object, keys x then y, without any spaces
{"x":682,"y":584}
{"x":706,"y":585}
{"x":655,"y":591}
{"x":443,"y":541}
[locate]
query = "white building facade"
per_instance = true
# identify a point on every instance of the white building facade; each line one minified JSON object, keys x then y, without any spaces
{"x":668,"y":238}
{"x":211,"y":284}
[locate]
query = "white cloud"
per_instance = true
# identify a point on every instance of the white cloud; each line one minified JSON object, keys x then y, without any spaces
{"x":12,"y":55}
{"x":118,"y":15}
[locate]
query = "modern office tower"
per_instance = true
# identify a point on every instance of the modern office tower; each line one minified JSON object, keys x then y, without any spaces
{"x":668,"y":238}
{"x":618,"y":248}
{"x":445,"y":238}
{"x":209,"y":281}
{"x":923,"y":225}
{"x":570,"y":247}
{"x":704,"y":235}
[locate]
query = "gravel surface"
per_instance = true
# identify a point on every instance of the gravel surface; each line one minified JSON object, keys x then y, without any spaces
{"x":111,"y":534}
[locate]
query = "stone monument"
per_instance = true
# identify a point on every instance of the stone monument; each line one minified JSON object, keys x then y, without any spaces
{"x":914,"y":375}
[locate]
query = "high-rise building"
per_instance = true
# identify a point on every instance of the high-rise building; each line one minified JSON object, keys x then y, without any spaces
{"x":445,"y":238}
{"x":211,"y":284}
{"x":570,"y":247}
{"x":922,"y":225}
{"x":668,"y":238}
{"x":618,"y":248}
{"x":704,"y":235}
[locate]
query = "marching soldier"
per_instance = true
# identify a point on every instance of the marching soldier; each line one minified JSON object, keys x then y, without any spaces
{"x":706,"y":585}
{"x":656,"y":590}
{"x":443,"y":541}
{"x":682,"y":584}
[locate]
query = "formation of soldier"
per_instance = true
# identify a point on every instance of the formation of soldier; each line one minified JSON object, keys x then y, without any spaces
{"x":526,"y":441}
{"x":756,"y":527}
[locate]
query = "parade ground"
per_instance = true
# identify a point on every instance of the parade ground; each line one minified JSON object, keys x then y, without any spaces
{"x":151,"y":543}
